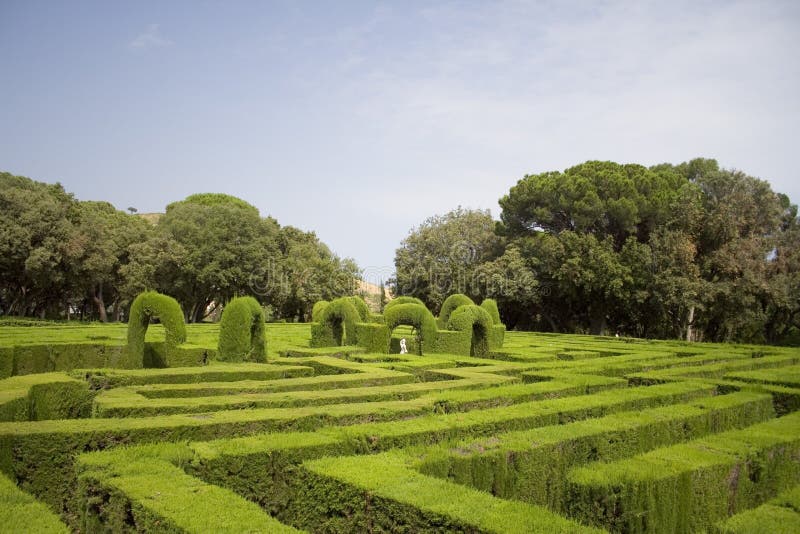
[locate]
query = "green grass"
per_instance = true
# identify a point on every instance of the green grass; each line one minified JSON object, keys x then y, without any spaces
{"x":550,"y":433}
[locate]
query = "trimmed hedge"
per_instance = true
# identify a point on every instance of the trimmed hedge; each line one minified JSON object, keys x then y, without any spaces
{"x":414,"y":315}
{"x":490,"y":305}
{"x":690,"y":487}
{"x":449,"y":306}
{"x":20,"y":512}
{"x":316,"y":311}
{"x":361,"y":307}
{"x":452,"y":342}
{"x":383,"y":493}
{"x":241,"y":332}
{"x":402,"y":300}
{"x":475,"y":322}
{"x":780,"y":515}
{"x":337,"y":324}
{"x":532,"y":465}
{"x":44,"y":396}
{"x":153,"y":304}
{"x":373,"y":337}
{"x":145,"y":490}
{"x":33,"y":359}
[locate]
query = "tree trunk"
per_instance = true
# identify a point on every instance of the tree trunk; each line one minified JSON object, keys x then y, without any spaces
{"x":97,"y":296}
{"x":689,"y":325}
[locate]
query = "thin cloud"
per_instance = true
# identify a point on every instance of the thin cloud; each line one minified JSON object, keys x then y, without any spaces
{"x":150,"y":38}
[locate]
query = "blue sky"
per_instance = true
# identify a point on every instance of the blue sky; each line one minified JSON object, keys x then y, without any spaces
{"x":358,"y":120}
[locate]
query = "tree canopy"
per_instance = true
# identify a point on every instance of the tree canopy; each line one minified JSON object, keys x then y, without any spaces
{"x":690,"y":251}
{"x":59,"y":256}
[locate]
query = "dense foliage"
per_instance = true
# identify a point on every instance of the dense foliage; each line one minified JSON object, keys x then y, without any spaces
{"x":60,"y":256}
{"x":241,"y":332}
{"x":150,"y":305}
{"x":690,"y":251}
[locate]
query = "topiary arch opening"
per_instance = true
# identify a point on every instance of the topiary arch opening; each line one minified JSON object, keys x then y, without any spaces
{"x":475,"y":320}
{"x":338,"y":323}
{"x":241,"y":331}
{"x":415,"y":315}
{"x":149,"y":305}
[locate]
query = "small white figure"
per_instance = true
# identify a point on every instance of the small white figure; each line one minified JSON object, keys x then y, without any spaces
{"x":403,"y":348}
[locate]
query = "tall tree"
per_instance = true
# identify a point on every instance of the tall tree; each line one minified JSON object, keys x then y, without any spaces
{"x":441,"y":256}
{"x":225,"y":242}
{"x":36,"y":230}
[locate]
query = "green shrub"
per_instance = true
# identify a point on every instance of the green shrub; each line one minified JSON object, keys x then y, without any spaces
{"x":402,"y":300}
{"x":449,"y":305}
{"x":496,"y":336}
{"x":414,"y":315}
{"x":316,"y":311}
{"x":373,"y":337}
{"x":490,"y":305}
{"x":241,"y":332}
{"x":476,"y":321}
{"x":361,"y":307}
{"x":20,"y":512}
{"x":337,"y":324}
{"x":152,"y":304}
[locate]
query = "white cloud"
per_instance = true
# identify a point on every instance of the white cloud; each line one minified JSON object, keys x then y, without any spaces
{"x":150,"y":38}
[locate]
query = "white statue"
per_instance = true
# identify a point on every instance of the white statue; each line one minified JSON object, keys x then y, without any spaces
{"x":403,"y":348}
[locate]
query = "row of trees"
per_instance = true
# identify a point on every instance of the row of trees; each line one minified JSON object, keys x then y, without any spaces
{"x":59,"y":256}
{"x":687,"y":251}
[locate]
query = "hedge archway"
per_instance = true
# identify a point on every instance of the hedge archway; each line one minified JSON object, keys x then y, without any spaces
{"x":241,"y":332}
{"x":361,"y":307}
{"x":402,"y":300}
{"x":339,"y":319}
{"x":475,"y":320}
{"x":449,"y":305}
{"x":316,"y":311}
{"x":490,"y":305}
{"x":414,"y":315}
{"x":152,"y":304}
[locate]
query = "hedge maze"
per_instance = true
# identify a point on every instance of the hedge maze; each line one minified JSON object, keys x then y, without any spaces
{"x":326,"y":428}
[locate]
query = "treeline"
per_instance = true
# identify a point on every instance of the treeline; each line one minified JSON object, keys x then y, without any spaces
{"x":689,"y":251}
{"x":60,"y":256}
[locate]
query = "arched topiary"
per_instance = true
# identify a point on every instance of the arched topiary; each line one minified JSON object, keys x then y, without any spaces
{"x":339,"y":318}
{"x":415,"y":315}
{"x":449,"y":305}
{"x":361,"y":307}
{"x":153,"y":304}
{"x":316,"y":311}
{"x":476,"y":321}
{"x":241,"y":332}
{"x":490,"y":305}
{"x":403,"y":300}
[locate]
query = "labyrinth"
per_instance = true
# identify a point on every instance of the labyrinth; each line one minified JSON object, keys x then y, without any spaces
{"x":546,"y":433}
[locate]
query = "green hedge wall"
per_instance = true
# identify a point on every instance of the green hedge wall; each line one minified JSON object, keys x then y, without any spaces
{"x":373,"y":337}
{"x":453,"y":342}
{"x":33,"y":359}
{"x":152,"y":304}
{"x":477,"y":322}
{"x":417,"y":316}
{"x":361,"y":307}
{"x":449,"y":306}
{"x":20,"y":512}
{"x":241,"y":332}
{"x":337,"y":324}
{"x":402,"y":300}
{"x":316,"y":311}
{"x":490,"y":305}
{"x":496,"y":336}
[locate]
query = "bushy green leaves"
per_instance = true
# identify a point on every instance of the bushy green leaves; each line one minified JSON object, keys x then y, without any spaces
{"x":241,"y":331}
{"x":152,"y":304}
{"x":414,"y":315}
{"x":450,"y":304}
